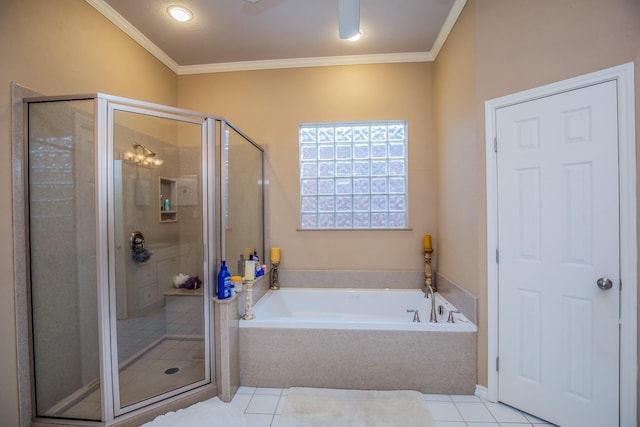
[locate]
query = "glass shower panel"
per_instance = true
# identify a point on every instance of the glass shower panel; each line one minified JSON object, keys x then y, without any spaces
{"x":62,"y":246}
{"x":243,"y":199}
{"x":158,"y":236}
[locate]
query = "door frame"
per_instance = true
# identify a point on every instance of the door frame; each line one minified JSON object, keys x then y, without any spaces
{"x":624,"y":76}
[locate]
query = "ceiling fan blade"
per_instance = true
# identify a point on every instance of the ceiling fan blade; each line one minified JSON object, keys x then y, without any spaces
{"x":348,"y":18}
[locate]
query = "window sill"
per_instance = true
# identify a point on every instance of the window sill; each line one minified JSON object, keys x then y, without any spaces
{"x":355,"y":229}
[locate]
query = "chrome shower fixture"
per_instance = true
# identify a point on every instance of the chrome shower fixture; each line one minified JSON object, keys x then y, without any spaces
{"x":145,"y":150}
{"x":146,"y":158}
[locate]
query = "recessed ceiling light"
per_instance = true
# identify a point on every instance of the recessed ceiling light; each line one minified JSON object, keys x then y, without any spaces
{"x":180,"y":13}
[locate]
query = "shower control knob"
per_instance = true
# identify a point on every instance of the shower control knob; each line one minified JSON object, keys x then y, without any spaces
{"x":604,"y":283}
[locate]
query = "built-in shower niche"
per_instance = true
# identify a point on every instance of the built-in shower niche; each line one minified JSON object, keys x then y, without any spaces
{"x":168,"y":198}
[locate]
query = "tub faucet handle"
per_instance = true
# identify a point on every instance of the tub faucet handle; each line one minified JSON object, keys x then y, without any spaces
{"x":450,"y":318}
{"x":416,"y":316}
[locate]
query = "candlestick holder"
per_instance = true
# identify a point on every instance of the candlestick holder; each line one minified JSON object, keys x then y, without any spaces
{"x":274,"y":276}
{"x":428,"y":272}
{"x":248,"y":307}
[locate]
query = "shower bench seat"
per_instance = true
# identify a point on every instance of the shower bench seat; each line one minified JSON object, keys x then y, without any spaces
{"x":181,"y":304}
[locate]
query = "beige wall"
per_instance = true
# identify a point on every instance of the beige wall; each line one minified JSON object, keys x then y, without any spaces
{"x":505,"y":46}
{"x":269,"y":105}
{"x":459,"y":162}
{"x":456,"y":118}
{"x":58,"y":47}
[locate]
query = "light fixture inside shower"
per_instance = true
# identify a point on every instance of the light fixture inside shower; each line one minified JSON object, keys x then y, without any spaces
{"x":146,"y":158}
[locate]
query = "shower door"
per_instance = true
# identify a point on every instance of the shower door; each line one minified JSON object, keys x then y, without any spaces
{"x":159,"y":297}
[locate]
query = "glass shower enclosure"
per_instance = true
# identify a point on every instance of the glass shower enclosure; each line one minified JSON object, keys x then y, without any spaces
{"x":125,"y":236}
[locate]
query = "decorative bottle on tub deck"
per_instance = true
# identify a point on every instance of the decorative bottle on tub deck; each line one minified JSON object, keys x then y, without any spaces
{"x":259,"y":270}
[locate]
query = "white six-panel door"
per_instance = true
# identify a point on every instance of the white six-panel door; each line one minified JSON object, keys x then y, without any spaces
{"x":558,"y":234}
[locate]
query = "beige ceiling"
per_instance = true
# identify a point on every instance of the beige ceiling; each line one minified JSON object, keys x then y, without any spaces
{"x":237,"y":34}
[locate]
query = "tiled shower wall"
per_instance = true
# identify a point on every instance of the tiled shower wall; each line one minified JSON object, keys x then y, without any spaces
{"x":63,"y":250}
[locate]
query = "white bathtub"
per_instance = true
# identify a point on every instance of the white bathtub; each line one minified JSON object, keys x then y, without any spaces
{"x":358,"y":339}
{"x":376,"y":309}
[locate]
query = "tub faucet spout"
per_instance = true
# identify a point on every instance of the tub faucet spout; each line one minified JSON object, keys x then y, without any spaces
{"x":433,"y":318}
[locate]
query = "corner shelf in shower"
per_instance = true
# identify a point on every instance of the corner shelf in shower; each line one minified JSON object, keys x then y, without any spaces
{"x":168,"y":190}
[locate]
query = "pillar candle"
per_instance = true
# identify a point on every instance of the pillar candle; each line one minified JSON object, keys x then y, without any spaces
{"x":275,"y":254}
{"x":427,"y":241}
{"x":249,"y":270}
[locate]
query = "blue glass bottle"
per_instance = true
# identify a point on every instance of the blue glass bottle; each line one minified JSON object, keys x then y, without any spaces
{"x":224,"y":281}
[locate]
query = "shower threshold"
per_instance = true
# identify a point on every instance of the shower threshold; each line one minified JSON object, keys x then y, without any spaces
{"x":153,"y":364}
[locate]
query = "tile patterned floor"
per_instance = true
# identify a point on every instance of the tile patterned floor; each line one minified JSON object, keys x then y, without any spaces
{"x":263,"y":406}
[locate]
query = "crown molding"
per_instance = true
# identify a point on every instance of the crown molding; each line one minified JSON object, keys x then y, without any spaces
{"x":324,"y":61}
{"x":451,"y":20}
{"x":106,"y":10}
{"x":134,"y":33}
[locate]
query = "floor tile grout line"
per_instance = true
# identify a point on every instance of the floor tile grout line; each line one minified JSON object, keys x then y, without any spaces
{"x":528,"y":422}
{"x":489,"y":411}
{"x":273,"y":415}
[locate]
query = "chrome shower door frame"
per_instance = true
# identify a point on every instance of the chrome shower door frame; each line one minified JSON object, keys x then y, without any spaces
{"x":107,"y":106}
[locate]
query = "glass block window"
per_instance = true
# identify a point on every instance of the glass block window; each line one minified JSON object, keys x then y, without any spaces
{"x":353,"y":175}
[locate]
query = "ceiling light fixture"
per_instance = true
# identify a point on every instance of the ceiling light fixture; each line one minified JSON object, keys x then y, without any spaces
{"x":349,"y":19}
{"x":356,"y":37}
{"x":180,"y":13}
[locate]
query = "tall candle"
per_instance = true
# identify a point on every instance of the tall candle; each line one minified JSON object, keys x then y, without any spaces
{"x":427,"y":241}
{"x":249,"y":270}
{"x":275,"y":254}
